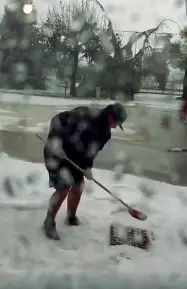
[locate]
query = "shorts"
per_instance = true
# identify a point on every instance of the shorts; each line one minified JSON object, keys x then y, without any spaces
{"x":65,"y":177}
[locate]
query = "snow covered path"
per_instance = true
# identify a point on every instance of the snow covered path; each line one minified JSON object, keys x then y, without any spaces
{"x":83,"y":259}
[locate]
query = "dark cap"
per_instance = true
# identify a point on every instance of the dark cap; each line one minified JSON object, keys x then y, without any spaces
{"x":118,"y":112}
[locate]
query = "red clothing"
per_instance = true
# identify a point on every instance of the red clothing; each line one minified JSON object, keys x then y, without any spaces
{"x":183,"y":110}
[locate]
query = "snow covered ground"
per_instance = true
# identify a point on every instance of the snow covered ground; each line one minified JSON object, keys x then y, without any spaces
{"x":83,"y":259}
{"x":49,"y":101}
{"x":158,"y":101}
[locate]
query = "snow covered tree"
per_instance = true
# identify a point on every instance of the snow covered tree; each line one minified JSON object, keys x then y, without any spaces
{"x":20,"y":55}
{"x":75,"y":35}
{"x":181,"y":57}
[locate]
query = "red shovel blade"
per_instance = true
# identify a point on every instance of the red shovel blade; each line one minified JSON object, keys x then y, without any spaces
{"x":137,"y":214}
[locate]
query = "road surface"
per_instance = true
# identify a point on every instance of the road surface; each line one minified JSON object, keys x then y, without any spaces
{"x":141,"y":149}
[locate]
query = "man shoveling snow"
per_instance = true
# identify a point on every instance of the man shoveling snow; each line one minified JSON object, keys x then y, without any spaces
{"x":78,"y":134}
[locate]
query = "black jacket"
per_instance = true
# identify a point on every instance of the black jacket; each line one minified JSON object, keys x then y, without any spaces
{"x":83,"y":132}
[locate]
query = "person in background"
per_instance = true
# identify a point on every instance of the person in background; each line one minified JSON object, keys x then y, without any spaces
{"x":183,"y":107}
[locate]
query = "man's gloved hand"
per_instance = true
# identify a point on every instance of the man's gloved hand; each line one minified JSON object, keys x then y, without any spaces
{"x":88,"y":174}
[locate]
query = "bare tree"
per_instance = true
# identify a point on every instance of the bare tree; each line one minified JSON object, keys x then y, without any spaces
{"x":75,"y":33}
{"x":125,"y":68}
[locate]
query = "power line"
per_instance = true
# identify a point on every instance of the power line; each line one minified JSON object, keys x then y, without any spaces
{"x":123,"y":32}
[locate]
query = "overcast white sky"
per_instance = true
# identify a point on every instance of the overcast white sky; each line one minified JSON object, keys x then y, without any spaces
{"x":133,"y":14}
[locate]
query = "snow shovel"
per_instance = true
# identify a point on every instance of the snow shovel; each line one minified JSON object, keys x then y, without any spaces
{"x":134,"y":213}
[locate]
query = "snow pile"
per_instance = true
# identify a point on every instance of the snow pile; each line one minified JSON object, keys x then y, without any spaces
{"x":22,"y":185}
